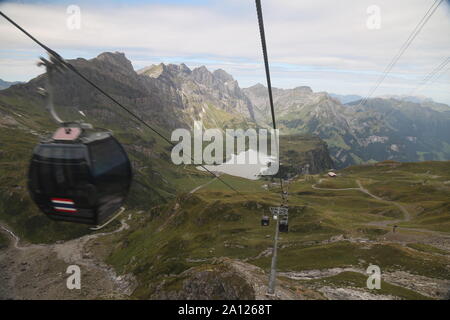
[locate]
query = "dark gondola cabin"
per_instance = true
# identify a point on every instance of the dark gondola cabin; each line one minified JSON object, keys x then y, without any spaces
{"x":265,"y":221}
{"x":79,"y":176}
{"x":283,"y":226}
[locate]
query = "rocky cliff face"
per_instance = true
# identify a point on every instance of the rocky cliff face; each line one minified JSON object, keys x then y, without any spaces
{"x":208,"y":282}
{"x":303,"y":154}
{"x":169,"y":96}
{"x":201,"y":92}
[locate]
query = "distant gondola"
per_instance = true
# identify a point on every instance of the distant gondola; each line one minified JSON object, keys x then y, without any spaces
{"x":265,"y":221}
{"x":283,"y":225}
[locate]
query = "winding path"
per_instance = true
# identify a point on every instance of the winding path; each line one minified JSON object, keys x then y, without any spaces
{"x":15,"y":237}
{"x":35,"y":271}
{"x":202,"y":185}
{"x":406,"y":214}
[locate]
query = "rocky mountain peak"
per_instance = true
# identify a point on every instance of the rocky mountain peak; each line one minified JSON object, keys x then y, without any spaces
{"x":184,"y":68}
{"x":258,"y":86}
{"x":303,"y":89}
{"x":117,"y":59}
{"x":175,"y":69}
{"x":201,"y":71}
{"x":222,"y":75}
{"x":257,"y":89}
{"x":203,"y":75}
{"x":153,"y":71}
{"x":168,"y":70}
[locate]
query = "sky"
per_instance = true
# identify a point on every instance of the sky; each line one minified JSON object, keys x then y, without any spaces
{"x":334,"y":46}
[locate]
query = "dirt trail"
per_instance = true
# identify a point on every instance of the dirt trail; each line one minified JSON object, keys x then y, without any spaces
{"x":435,"y":238}
{"x":314,"y":186}
{"x":406,"y":217}
{"x":201,"y":186}
{"x":174,"y":210}
{"x":406,"y":214}
{"x":38,"y":271}
{"x":15,"y":238}
{"x":385,"y":223}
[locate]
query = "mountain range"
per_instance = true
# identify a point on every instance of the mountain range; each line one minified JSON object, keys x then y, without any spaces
{"x":185,"y":235}
{"x":173,"y":96}
{"x":165,"y":96}
{"x":380,"y":129}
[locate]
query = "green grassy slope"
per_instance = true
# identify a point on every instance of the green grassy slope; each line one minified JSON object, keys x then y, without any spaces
{"x":424,"y":188}
{"x":196,"y":229}
{"x":156,"y":180}
{"x":23,"y":122}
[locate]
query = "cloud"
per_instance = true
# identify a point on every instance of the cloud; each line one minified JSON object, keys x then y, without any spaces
{"x":325,"y":42}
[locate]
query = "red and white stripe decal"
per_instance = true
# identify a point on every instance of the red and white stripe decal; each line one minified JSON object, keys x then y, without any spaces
{"x":61,"y":200}
{"x":63,"y":205}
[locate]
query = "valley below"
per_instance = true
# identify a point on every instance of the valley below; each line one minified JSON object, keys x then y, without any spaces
{"x":208,"y":244}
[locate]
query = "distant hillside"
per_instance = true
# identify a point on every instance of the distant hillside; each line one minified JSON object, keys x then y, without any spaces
{"x":345,"y":98}
{"x":424,"y":101}
{"x":7,"y":84}
{"x":381,"y":129}
{"x":211,"y":244}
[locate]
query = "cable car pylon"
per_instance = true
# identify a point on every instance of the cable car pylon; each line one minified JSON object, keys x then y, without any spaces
{"x":279,"y":213}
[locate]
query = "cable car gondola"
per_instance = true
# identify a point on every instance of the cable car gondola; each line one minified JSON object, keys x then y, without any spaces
{"x":283,"y":225}
{"x":265,"y":221}
{"x":79,"y":174}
